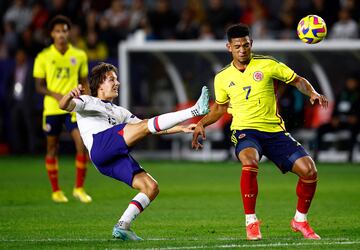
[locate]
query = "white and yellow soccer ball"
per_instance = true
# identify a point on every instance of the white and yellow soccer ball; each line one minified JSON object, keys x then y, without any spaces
{"x":311,"y":29}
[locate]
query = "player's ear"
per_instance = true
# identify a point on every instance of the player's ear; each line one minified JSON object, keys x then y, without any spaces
{"x":228,"y":46}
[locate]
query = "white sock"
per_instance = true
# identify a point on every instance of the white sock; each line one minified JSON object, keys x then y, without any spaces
{"x":169,"y":120}
{"x":136,"y":206}
{"x":250,"y":218}
{"x":300,"y":217}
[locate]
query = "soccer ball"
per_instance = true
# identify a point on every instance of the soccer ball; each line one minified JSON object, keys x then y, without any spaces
{"x":311,"y":29}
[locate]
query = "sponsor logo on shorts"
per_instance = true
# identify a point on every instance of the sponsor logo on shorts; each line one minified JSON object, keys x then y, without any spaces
{"x":241,"y":136}
{"x":47,"y":127}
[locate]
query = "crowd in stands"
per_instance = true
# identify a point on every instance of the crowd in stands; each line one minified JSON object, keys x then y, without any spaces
{"x":100,"y":25}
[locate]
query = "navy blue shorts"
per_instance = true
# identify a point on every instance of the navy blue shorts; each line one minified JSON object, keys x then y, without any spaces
{"x":279,"y":147}
{"x":111,"y":155}
{"x":54,"y":123}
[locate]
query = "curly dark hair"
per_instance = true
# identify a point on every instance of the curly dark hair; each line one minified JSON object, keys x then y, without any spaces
{"x":98,"y":76}
{"x":59,"y":19}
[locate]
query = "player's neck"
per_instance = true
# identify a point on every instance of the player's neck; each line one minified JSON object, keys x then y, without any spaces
{"x":61,"y":47}
{"x":240,"y":66}
{"x":104,"y":98}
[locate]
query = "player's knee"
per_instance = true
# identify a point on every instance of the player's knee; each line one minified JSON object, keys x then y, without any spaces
{"x":309,"y":172}
{"x":248,"y":158}
{"x":152,"y":189}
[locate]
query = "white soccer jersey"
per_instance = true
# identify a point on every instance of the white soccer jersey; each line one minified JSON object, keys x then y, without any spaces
{"x":95,"y":115}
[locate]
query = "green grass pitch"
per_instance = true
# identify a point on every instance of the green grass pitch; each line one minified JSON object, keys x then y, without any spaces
{"x":199,"y":207}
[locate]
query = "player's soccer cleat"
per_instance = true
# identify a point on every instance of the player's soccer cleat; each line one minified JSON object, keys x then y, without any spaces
{"x":202,"y":104}
{"x":81,"y":195}
{"x":253,"y":231}
{"x":305,"y":229}
{"x":126,"y":235}
{"x":59,"y":197}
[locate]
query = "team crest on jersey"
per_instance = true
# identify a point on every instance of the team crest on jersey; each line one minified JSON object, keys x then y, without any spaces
{"x":258,"y":76}
{"x":73,"y":60}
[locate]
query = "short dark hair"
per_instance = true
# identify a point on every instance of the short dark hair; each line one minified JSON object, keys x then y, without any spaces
{"x":59,"y":19}
{"x":237,"y":30}
{"x":98,"y":76}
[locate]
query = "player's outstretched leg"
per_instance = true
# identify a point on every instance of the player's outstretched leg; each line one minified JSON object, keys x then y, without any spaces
{"x":166,"y":121}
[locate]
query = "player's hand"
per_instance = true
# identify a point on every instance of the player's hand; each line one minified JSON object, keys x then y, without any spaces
{"x":76,"y":92}
{"x":188,"y":129}
{"x":323,"y":101}
{"x":199,"y":130}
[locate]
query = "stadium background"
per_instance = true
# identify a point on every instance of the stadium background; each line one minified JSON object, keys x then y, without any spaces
{"x":99,"y":27}
{"x":199,"y":206}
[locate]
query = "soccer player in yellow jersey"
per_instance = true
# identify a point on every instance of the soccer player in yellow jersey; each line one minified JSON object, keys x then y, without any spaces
{"x":247,"y":87}
{"x":57,"y":70}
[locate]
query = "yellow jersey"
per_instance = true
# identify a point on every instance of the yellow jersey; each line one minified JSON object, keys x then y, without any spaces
{"x":252,"y":93}
{"x":61,"y":72}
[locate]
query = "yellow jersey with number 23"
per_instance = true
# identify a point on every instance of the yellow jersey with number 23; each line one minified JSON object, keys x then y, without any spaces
{"x":61,"y":72}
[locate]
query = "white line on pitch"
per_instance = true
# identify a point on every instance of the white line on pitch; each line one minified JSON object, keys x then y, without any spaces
{"x":251,"y":245}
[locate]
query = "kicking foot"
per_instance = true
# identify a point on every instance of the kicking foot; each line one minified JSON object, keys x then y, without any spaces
{"x":125,"y":235}
{"x":253,"y":231}
{"x":81,"y":195}
{"x":59,"y":197}
{"x":202,"y":104}
{"x":305,"y":229}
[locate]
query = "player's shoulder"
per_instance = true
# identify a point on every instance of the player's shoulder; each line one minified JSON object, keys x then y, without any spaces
{"x":264,"y":58}
{"x":224,"y":70}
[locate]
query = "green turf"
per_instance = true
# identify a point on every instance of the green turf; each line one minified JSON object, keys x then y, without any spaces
{"x":199,"y":207}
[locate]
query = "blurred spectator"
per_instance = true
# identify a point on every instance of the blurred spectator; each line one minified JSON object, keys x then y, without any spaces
{"x":345,"y":116}
{"x":40,"y":16}
{"x":10,"y":38}
{"x":21,"y":105}
{"x":206,"y":32}
{"x":346,"y":27}
{"x":163,"y":20}
{"x":218,"y":17}
{"x":76,"y":38}
{"x":19,"y":14}
{"x":187,"y":27}
{"x":94,"y":49}
{"x":137,"y":14}
{"x":60,"y":7}
{"x":118,"y":15}
{"x":327,"y":9}
{"x":29,"y":44}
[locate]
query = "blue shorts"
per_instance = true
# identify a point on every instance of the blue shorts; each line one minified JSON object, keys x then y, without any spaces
{"x":111,"y":155}
{"x":279,"y":147}
{"x":54,"y":123}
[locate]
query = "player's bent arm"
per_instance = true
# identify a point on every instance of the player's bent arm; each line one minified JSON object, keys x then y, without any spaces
{"x":66,"y":102}
{"x":306,"y":88}
{"x":41,"y":88}
{"x":216,"y":112}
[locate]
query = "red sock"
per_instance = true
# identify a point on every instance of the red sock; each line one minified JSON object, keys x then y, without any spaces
{"x":80,"y":164}
{"x":305,"y":191}
{"x":249,"y":187}
{"x":52,"y":170}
